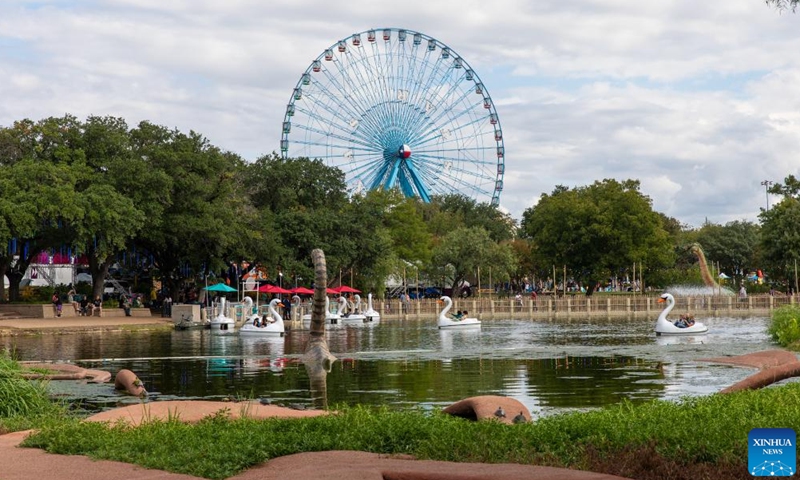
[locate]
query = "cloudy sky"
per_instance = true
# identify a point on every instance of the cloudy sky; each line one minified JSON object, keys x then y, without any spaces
{"x":700,"y":101}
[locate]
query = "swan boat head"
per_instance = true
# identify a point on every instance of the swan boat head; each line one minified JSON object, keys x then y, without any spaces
{"x":448,"y":304}
{"x":273,"y":312}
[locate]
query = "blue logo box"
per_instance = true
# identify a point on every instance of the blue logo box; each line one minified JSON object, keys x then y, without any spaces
{"x":772,"y":452}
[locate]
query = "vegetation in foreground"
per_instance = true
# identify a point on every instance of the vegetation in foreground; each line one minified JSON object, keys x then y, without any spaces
{"x":695,"y":438}
{"x":23,"y":403}
{"x":785,"y":326}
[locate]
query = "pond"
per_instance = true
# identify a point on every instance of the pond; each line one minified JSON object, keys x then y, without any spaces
{"x":550,"y":366}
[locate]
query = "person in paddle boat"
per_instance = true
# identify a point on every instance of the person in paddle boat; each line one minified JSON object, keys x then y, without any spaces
{"x":457,"y":316}
{"x":685,"y":321}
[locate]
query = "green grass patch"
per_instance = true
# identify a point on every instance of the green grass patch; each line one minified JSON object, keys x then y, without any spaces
{"x":785,"y":326}
{"x":706,"y":431}
{"x":23,"y":403}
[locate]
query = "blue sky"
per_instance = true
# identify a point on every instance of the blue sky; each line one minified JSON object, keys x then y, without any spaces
{"x":698,"y":101}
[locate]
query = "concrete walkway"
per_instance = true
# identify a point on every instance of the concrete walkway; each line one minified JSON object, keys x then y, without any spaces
{"x":23,"y":326}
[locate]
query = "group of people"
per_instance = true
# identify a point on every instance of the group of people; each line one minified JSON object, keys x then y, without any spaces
{"x":81,"y":304}
{"x":685,"y":321}
{"x":459,"y":315}
{"x":263,"y":321}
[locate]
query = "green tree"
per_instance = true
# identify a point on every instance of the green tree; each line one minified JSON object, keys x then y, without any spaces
{"x":411,"y":240}
{"x":304,"y":201}
{"x":204,"y":214}
{"x":448,"y":212}
{"x":733,"y":246}
{"x":36,"y":199}
{"x":280,"y":183}
{"x":118,"y":192}
{"x":462,"y":251}
{"x":597,"y":231}
{"x":780,"y":234}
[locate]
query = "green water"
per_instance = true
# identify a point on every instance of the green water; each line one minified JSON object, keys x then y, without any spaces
{"x":550,"y":366}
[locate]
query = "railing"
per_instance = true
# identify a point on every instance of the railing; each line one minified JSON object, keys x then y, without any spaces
{"x":581,"y":305}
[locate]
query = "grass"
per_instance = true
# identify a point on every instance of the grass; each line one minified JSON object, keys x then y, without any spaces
{"x":23,"y":403}
{"x":702,"y":437}
{"x":785,"y":326}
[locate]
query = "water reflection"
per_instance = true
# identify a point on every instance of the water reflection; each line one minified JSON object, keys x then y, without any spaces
{"x":550,"y":366}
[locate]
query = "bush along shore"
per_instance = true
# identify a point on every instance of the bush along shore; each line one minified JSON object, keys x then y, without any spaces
{"x":23,"y":403}
{"x":695,"y":438}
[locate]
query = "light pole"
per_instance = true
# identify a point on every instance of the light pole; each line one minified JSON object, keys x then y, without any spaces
{"x":766,"y":184}
{"x":280,"y":279}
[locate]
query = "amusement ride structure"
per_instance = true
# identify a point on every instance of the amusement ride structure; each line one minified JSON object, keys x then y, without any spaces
{"x":395,"y":108}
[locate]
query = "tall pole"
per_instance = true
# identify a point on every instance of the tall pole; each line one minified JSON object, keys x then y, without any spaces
{"x":479,"y":282}
{"x":641,"y":277}
{"x":795,"y":276}
{"x":565,"y":279}
{"x":766,"y":184}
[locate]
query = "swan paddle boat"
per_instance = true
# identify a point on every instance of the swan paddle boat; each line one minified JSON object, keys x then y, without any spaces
{"x":666,"y":327}
{"x":222,"y":324}
{"x":354,"y":315}
{"x":448,"y":322}
{"x":330,"y":318}
{"x":371,"y":314}
{"x":272,"y":326}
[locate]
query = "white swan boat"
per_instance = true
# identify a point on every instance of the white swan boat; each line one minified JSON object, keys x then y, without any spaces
{"x":222,"y":324}
{"x":256,"y":326}
{"x":354,"y":315}
{"x":666,"y":327}
{"x":371,"y":314}
{"x":296,"y":303}
{"x":452,"y":323}
{"x":330,"y":318}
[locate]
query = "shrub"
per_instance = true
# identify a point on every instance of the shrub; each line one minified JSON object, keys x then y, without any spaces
{"x":20,"y":397}
{"x":785,"y":325}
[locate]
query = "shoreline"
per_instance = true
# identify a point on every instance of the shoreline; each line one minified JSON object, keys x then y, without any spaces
{"x":64,"y":326}
{"x":15,"y":327}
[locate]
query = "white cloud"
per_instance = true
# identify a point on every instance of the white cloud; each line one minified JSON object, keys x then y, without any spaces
{"x":698,"y":101}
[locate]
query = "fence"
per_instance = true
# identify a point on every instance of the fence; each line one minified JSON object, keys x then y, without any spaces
{"x":581,"y":305}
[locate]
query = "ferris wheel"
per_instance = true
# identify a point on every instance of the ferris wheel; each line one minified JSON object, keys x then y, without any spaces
{"x":395,"y":108}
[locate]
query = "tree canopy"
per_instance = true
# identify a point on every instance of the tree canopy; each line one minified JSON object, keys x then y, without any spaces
{"x":597,"y":231}
{"x":780,"y":234}
{"x":186,"y":209}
